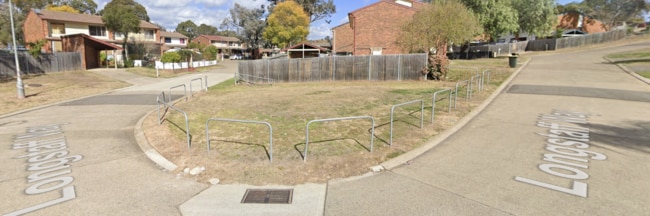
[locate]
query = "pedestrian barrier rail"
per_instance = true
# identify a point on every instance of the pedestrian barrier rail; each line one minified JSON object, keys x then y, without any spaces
{"x":483,"y":80}
{"x":161,"y":118}
{"x":392,"y":111}
{"x":476,"y":78}
{"x":459,"y":84}
{"x":372,"y":133}
{"x":178,"y":86}
{"x":202,"y":86}
{"x":207,"y":131}
{"x":433,"y":101}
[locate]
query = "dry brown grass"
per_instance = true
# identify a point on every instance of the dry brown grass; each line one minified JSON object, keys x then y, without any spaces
{"x":336,"y":149}
{"x":53,"y":87}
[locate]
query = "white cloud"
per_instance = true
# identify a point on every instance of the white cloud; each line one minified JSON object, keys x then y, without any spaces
{"x":319,"y":30}
{"x":249,"y":3}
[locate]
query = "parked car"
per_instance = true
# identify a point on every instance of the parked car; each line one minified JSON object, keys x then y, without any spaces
{"x":236,"y":57}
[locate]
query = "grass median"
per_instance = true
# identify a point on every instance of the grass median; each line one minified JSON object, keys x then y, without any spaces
{"x":240,"y":152}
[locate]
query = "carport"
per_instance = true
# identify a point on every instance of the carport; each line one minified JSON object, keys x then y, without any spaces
{"x":88,"y":46}
{"x":305,"y":50}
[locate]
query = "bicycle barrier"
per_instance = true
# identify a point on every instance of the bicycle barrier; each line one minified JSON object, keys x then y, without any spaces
{"x":372,"y":134}
{"x":202,"y":87}
{"x":456,"y":92}
{"x":392,"y":110}
{"x":433,"y":101}
{"x":207,"y":131}
{"x":173,"y":87}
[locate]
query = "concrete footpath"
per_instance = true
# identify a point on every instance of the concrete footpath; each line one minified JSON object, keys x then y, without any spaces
{"x":80,"y":157}
{"x":569,"y":135}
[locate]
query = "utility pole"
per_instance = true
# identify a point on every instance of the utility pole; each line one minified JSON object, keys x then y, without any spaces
{"x":19,"y":80}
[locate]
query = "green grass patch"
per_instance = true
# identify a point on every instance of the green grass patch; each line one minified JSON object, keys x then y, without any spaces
{"x":644,"y":53}
{"x":645,"y":74}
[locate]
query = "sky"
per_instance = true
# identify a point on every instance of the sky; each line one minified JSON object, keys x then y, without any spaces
{"x":169,"y":13}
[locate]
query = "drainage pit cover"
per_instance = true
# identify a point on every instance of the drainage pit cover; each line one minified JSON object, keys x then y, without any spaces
{"x":263,"y":196}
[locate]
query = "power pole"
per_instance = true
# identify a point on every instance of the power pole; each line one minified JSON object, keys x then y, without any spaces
{"x":19,"y":80}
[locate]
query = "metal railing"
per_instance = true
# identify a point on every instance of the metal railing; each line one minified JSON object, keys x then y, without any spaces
{"x":392,"y":110}
{"x":433,"y":102}
{"x":207,"y":131}
{"x":476,"y":78}
{"x":456,"y":92}
{"x":162,"y":117}
{"x":483,"y":81}
{"x":173,"y":87}
{"x":372,"y":134}
{"x":202,"y":87}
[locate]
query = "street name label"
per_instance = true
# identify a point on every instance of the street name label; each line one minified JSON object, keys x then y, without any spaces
{"x":48,"y":160}
{"x":567,"y":144}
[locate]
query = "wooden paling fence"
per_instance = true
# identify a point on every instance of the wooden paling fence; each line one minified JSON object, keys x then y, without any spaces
{"x":576,"y":41}
{"x":44,"y":63}
{"x":337,"y":68}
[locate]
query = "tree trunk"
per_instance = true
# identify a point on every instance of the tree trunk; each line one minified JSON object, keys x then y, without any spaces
{"x":126,"y":49}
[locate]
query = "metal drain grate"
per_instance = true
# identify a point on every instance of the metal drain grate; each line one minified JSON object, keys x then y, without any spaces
{"x":282,"y":196}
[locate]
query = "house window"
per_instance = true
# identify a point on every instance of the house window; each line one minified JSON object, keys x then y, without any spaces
{"x":57,"y":28}
{"x":97,"y":30}
{"x":148,"y":34}
{"x":182,"y":40}
{"x":119,"y":35}
{"x":168,"y":40}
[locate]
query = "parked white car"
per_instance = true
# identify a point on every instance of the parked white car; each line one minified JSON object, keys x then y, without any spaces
{"x":235,"y":57}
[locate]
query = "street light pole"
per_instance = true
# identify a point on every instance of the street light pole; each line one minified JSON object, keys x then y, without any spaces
{"x":19,"y":80}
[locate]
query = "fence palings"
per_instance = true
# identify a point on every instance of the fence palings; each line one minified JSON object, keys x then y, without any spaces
{"x":45,"y":63}
{"x":376,"y":68}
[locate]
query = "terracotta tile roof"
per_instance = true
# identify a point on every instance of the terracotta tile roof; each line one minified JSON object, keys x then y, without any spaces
{"x":82,"y":18}
{"x":220,"y":38}
{"x":172,"y":34}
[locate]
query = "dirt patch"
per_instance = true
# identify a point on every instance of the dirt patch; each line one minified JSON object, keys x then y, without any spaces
{"x":240,"y":152}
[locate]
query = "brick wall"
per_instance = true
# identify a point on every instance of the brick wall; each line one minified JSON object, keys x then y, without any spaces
{"x":201,"y":40}
{"x":379,"y":26}
{"x":570,"y":20}
{"x":375,"y":26}
{"x":35,"y":29}
{"x":343,"y":38}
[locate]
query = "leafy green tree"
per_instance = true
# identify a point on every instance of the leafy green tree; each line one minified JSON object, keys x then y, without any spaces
{"x":35,"y":47}
{"x":170,"y":57}
{"x":5,"y":25}
{"x":496,"y":16}
{"x":536,"y":17}
{"x":187,"y":28}
{"x":227,"y":33}
{"x":26,"y":5}
{"x":315,"y":9}
{"x":210,"y":52}
{"x":124,"y":16}
{"x":611,"y":12}
{"x":83,"y":6}
{"x":420,"y":35}
{"x":288,"y":24}
{"x":249,"y":25}
{"x":206,"y":30}
{"x":573,"y":6}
